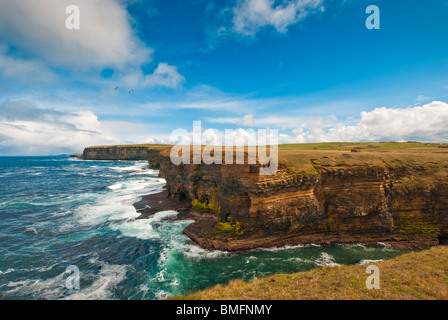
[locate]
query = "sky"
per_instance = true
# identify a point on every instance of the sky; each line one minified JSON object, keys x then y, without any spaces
{"x":136,"y":70}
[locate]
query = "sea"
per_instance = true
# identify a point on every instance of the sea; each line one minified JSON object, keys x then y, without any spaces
{"x":62,"y":217}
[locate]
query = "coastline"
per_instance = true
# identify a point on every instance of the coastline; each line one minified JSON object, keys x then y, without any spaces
{"x":325,"y":197}
{"x":199,"y":233}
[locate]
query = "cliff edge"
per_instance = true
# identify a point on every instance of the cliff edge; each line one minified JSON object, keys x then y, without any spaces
{"x":119,"y":152}
{"x":398,"y":197}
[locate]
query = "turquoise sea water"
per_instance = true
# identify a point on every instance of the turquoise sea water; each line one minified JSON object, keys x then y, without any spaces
{"x":57,"y":212}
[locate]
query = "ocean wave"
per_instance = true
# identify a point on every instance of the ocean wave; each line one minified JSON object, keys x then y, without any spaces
{"x":115,"y":186}
{"x":117,"y":204}
{"x":368,"y":261}
{"x":282,"y":248}
{"x":135,"y":167}
{"x":144,"y":228}
{"x":162,"y":215}
{"x":9,"y":270}
{"x":326,"y":259}
{"x":102,"y":288}
{"x":140,"y":229}
{"x":146,"y":172}
{"x":31,"y":229}
{"x":54,"y":288}
{"x":50,"y":289}
{"x":196,"y":252}
{"x":10,"y":174}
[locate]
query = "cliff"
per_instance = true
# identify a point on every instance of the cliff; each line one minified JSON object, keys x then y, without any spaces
{"x":119,"y":152}
{"x":398,"y":197}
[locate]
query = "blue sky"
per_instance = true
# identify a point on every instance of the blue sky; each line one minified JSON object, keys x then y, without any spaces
{"x":309,"y":68}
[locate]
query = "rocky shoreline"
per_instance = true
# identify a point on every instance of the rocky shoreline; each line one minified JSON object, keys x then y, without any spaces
{"x":198,"y":231}
{"x":396,"y":197}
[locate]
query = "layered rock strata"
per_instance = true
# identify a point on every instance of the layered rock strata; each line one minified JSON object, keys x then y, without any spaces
{"x":395,"y":197}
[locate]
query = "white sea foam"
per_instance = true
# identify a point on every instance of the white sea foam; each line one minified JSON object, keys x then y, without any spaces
{"x":118,"y":204}
{"x":194,"y":251}
{"x":286,"y":247}
{"x":49,"y":289}
{"x":326,"y":260}
{"x":9,"y":270}
{"x":135,"y":167}
{"x":31,"y":229}
{"x":54,"y":288}
{"x":162,"y":294}
{"x":162,"y":215}
{"x":367,"y":261}
{"x":115,"y":186}
{"x":141,"y":229}
{"x":109,"y":277}
{"x":297,"y":260}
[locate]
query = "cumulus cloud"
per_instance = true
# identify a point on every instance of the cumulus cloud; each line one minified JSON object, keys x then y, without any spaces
{"x":164,"y":75}
{"x":106,"y":40}
{"x":246,"y":121}
{"x":252,"y":15}
{"x":427,"y":123}
{"x":21,"y":69}
{"x":421,"y":98}
{"x":423,"y":123}
{"x":28,"y":130}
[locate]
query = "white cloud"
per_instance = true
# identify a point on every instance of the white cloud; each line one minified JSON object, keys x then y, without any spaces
{"x":427,"y":123}
{"x":252,"y":15}
{"x":421,"y":98}
{"x":213,"y":137}
{"x":423,"y":123}
{"x":164,"y":75}
{"x":105,"y":39}
{"x":20,"y":69}
{"x":246,"y":121}
{"x":28,"y":130}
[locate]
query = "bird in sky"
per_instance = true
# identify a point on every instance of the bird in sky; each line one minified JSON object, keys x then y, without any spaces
{"x":130,"y":91}
{"x":116,"y":88}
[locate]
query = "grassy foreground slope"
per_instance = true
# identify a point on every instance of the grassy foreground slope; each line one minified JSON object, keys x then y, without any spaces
{"x":416,"y":275}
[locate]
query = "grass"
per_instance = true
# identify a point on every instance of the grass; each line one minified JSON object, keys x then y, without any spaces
{"x":132,"y":145}
{"x":416,"y":275}
{"x":227,"y":228}
{"x":305,"y":159}
{"x":347,"y":146}
{"x":208,"y":205}
{"x":342,"y":146}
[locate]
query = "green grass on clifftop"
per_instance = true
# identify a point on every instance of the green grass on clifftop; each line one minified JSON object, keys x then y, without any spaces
{"x":416,"y":275}
{"x":131,"y":145}
{"x":362,"y":145}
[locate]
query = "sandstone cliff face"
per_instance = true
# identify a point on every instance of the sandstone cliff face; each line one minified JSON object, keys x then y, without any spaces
{"x":317,"y":197}
{"x":131,"y":152}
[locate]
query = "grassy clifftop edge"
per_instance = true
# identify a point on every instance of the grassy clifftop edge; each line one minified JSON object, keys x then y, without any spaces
{"x":411,"y":276}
